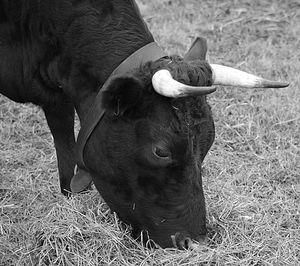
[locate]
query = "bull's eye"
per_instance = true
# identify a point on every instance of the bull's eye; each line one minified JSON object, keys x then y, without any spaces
{"x":161,"y":153}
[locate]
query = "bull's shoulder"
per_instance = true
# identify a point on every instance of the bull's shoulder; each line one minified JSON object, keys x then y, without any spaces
{"x":10,"y":11}
{"x":3,"y":15}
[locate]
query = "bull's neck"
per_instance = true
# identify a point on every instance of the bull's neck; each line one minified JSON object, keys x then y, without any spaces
{"x":123,"y":33}
{"x":86,"y":99}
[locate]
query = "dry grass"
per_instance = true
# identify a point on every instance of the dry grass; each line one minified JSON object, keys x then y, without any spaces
{"x":251,"y":175}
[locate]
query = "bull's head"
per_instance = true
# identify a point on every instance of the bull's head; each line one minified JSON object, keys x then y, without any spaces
{"x":145,"y":156}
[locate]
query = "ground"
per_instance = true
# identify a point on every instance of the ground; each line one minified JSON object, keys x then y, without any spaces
{"x":251,"y":175}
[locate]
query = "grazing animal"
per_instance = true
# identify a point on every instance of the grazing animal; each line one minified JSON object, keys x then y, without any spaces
{"x":145,"y":123}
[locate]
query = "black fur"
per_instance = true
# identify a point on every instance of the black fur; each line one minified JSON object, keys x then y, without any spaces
{"x":168,"y":189}
{"x":145,"y":156}
{"x":59,"y":52}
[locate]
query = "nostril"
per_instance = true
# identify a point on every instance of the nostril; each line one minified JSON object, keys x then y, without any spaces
{"x":181,"y":241}
{"x":185,"y":243}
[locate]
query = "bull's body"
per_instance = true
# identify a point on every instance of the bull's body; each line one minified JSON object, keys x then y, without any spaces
{"x":57,"y":54}
{"x":145,"y":155}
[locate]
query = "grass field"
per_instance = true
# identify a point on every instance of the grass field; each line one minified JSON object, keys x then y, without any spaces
{"x":251,"y":175}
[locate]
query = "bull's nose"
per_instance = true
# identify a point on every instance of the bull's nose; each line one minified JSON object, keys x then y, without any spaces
{"x":181,"y":240}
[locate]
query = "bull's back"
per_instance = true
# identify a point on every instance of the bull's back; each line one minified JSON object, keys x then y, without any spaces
{"x":10,"y":61}
{"x":34,"y":34}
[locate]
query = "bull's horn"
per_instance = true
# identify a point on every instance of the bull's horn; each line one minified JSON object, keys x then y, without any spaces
{"x":228,"y":76}
{"x":164,"y":84}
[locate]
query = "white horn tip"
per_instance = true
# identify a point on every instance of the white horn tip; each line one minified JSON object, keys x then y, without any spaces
{"x":228,"y":76}
{"x":273,"y":84}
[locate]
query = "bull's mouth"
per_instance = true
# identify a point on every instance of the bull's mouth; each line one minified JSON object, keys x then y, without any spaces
{"x":184,"y":241}
{"x":179,"y":240}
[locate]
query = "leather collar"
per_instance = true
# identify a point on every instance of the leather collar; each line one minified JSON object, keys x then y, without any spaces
{"x":149,"y":52}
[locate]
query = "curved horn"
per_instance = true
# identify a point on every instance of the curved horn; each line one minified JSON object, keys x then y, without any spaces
{"x":228,"y":76}
{"x":164,"y":84}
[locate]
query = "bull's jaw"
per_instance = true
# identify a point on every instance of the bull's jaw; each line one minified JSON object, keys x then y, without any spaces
{"x":163,"y":230}
{"x":125,"y":197}
{"x":168,"y":234}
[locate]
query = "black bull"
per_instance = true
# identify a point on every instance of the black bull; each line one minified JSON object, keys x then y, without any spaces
{"x":145,"y":156}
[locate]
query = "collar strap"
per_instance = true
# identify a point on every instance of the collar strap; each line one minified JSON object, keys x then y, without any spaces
{"x":149,"y":52}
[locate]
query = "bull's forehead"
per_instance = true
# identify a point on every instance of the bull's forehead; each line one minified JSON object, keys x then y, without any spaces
{"x":180,"y":116}
{"x":190,"y":111}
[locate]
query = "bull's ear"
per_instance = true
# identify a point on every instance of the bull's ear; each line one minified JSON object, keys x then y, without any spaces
{"x":123,"y":94}
{"x":197,"y":51}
